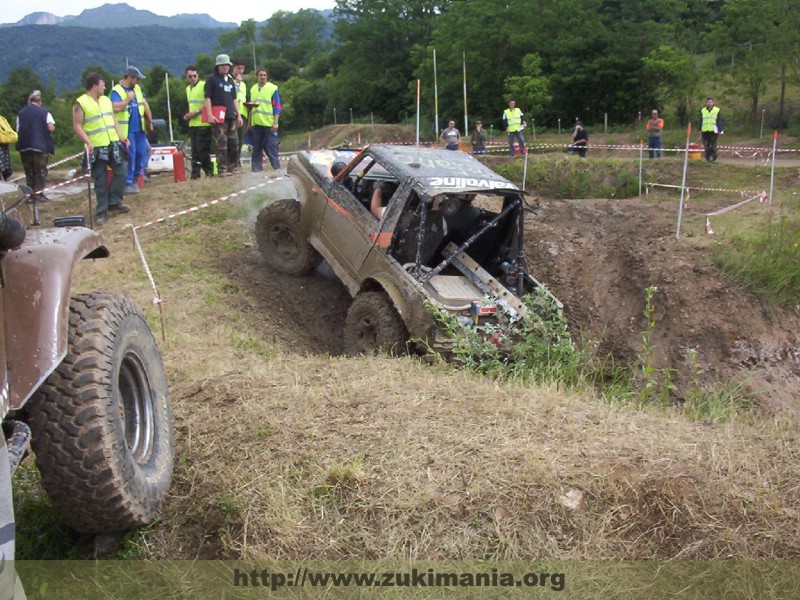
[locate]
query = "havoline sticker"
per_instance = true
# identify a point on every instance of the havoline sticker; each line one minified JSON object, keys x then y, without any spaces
{"x":469,"y":182}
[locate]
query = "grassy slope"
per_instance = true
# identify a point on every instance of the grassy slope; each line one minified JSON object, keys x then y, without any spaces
{"x":284,"y":455}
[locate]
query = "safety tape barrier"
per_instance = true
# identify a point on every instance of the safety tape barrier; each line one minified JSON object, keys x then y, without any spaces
{"x":496,"y":148}
{"x":214,"y":202}
{"x":50,"y":166}
{"x":156,"y":294}
{"x":65,"y":182}
{"x":193,"y":209}
{"x":761,"y":197}
{"x":703,"y":189}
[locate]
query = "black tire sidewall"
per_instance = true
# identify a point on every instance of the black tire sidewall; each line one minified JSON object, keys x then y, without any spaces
{"x":285,"y":214}
{"x":78,"y":432}
{"x":391,"y":335}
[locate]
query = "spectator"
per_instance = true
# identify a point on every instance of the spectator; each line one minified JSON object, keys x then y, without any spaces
{"x":451,"y":136}
{"x":478,"y":139}
{"x":199,"y":131}
{"x":654,"y":127}
{"x":711,"y":127}
{"x":94,"y":123}
{"x":35,"y":126}
{"x":133,"y":115}
{"x":264,"y":119}
{"x":514,"y":122}
{"x":580,"y":140}
{"x":223,"y":115}
{"x":241,"y":99}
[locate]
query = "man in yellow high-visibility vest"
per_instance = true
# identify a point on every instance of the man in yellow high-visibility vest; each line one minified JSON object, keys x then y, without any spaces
{"x":265,"y":119}
{"x":94,"y":123}
{"x":199,"y":131}
{"x":133,"y":115}
{"x":514,"y":122}
{"x":711,"y":127}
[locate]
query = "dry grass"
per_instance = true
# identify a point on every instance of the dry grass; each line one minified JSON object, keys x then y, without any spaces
{"x":283,"y":455}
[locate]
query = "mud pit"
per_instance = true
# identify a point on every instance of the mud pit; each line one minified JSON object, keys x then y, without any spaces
{"x":597,"y":256}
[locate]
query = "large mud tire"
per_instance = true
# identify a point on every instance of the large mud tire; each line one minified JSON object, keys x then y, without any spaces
{"x":374,"y":326}
{"x":280,"y":239}
{"x":102,"y":422}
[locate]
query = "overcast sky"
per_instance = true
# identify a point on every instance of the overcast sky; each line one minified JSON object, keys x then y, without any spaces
{"x":221,"y":10}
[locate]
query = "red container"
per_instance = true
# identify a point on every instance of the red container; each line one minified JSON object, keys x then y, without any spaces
{"x":178,"y":170}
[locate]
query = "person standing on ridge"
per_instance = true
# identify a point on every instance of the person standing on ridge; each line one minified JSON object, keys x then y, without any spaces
{"x":711,"y":127}
{"x":478,"y":139}
{"x":513,"y":123}
{"x":451,"y":136}
{"x":654,"y":127}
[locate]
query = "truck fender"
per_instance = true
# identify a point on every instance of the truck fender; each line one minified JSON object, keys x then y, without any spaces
{"x":37,"y":284}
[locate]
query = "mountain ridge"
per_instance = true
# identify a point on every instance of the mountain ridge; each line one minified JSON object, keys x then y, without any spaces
{"x":121,"y":15}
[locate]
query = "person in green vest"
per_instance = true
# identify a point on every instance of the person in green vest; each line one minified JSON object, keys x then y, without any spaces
{"x":94,"y":123}
{"x":711,"y":127}
{"x":133,"y":115}
{"x":199,"y":131}
{"x":264,"y":119}
{"x":514,"y":122}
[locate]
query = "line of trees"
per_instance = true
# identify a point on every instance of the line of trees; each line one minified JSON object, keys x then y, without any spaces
{"x":557,"y":58}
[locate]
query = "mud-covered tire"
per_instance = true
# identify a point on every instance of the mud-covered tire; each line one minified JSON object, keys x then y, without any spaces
{"x":373,"y":326}
{"x":281,"y":242}
{"x":102,"y":421}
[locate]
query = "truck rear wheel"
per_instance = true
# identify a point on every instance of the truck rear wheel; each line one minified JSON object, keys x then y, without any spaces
{"x":280,"y":240}
{"x":373,"y":325}
{"x":102,"y":422}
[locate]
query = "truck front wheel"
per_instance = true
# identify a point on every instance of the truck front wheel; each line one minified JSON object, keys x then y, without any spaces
{"x":281,"y":242}
{"x":102,"y":422}
{"x":373,"y":325}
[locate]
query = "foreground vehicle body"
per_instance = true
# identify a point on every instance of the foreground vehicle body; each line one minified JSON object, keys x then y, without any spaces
{"x":82,"y":382}
{"x":450,"y":236}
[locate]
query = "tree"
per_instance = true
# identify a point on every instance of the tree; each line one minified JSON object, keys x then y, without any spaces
{"x":530,"y":89}
{"x":374,"y":54}
{"x":14,"y":96}
{"x":673,"y":71}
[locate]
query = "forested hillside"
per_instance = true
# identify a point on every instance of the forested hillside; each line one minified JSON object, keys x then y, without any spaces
{"x":597,"y":60}
{"x":59,"y":54}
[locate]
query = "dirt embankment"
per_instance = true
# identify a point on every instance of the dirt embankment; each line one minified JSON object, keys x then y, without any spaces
{"x":598,"y":256}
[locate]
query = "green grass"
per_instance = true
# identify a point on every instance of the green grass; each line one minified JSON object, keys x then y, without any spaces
{"x":767,"y":259}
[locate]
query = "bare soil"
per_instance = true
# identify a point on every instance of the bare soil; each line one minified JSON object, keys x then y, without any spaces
{"x":598,"y":256}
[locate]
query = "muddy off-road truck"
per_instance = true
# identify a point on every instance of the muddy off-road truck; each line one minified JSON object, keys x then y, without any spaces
{"x":81,"y":381}
{"x":450,"y":235}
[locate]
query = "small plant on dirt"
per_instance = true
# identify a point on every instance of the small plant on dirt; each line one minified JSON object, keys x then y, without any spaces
{"x":655,"y":384}
{"x":538,"y":348}
{"x":718,"y":403}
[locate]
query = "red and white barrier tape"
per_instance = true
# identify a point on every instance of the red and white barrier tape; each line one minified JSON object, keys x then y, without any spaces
{"x":206,"y":204}
{"x":705,"y":189}
{"x":761,"y":197}
{"x":156,"y":294}
{"x":55,"y":164}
